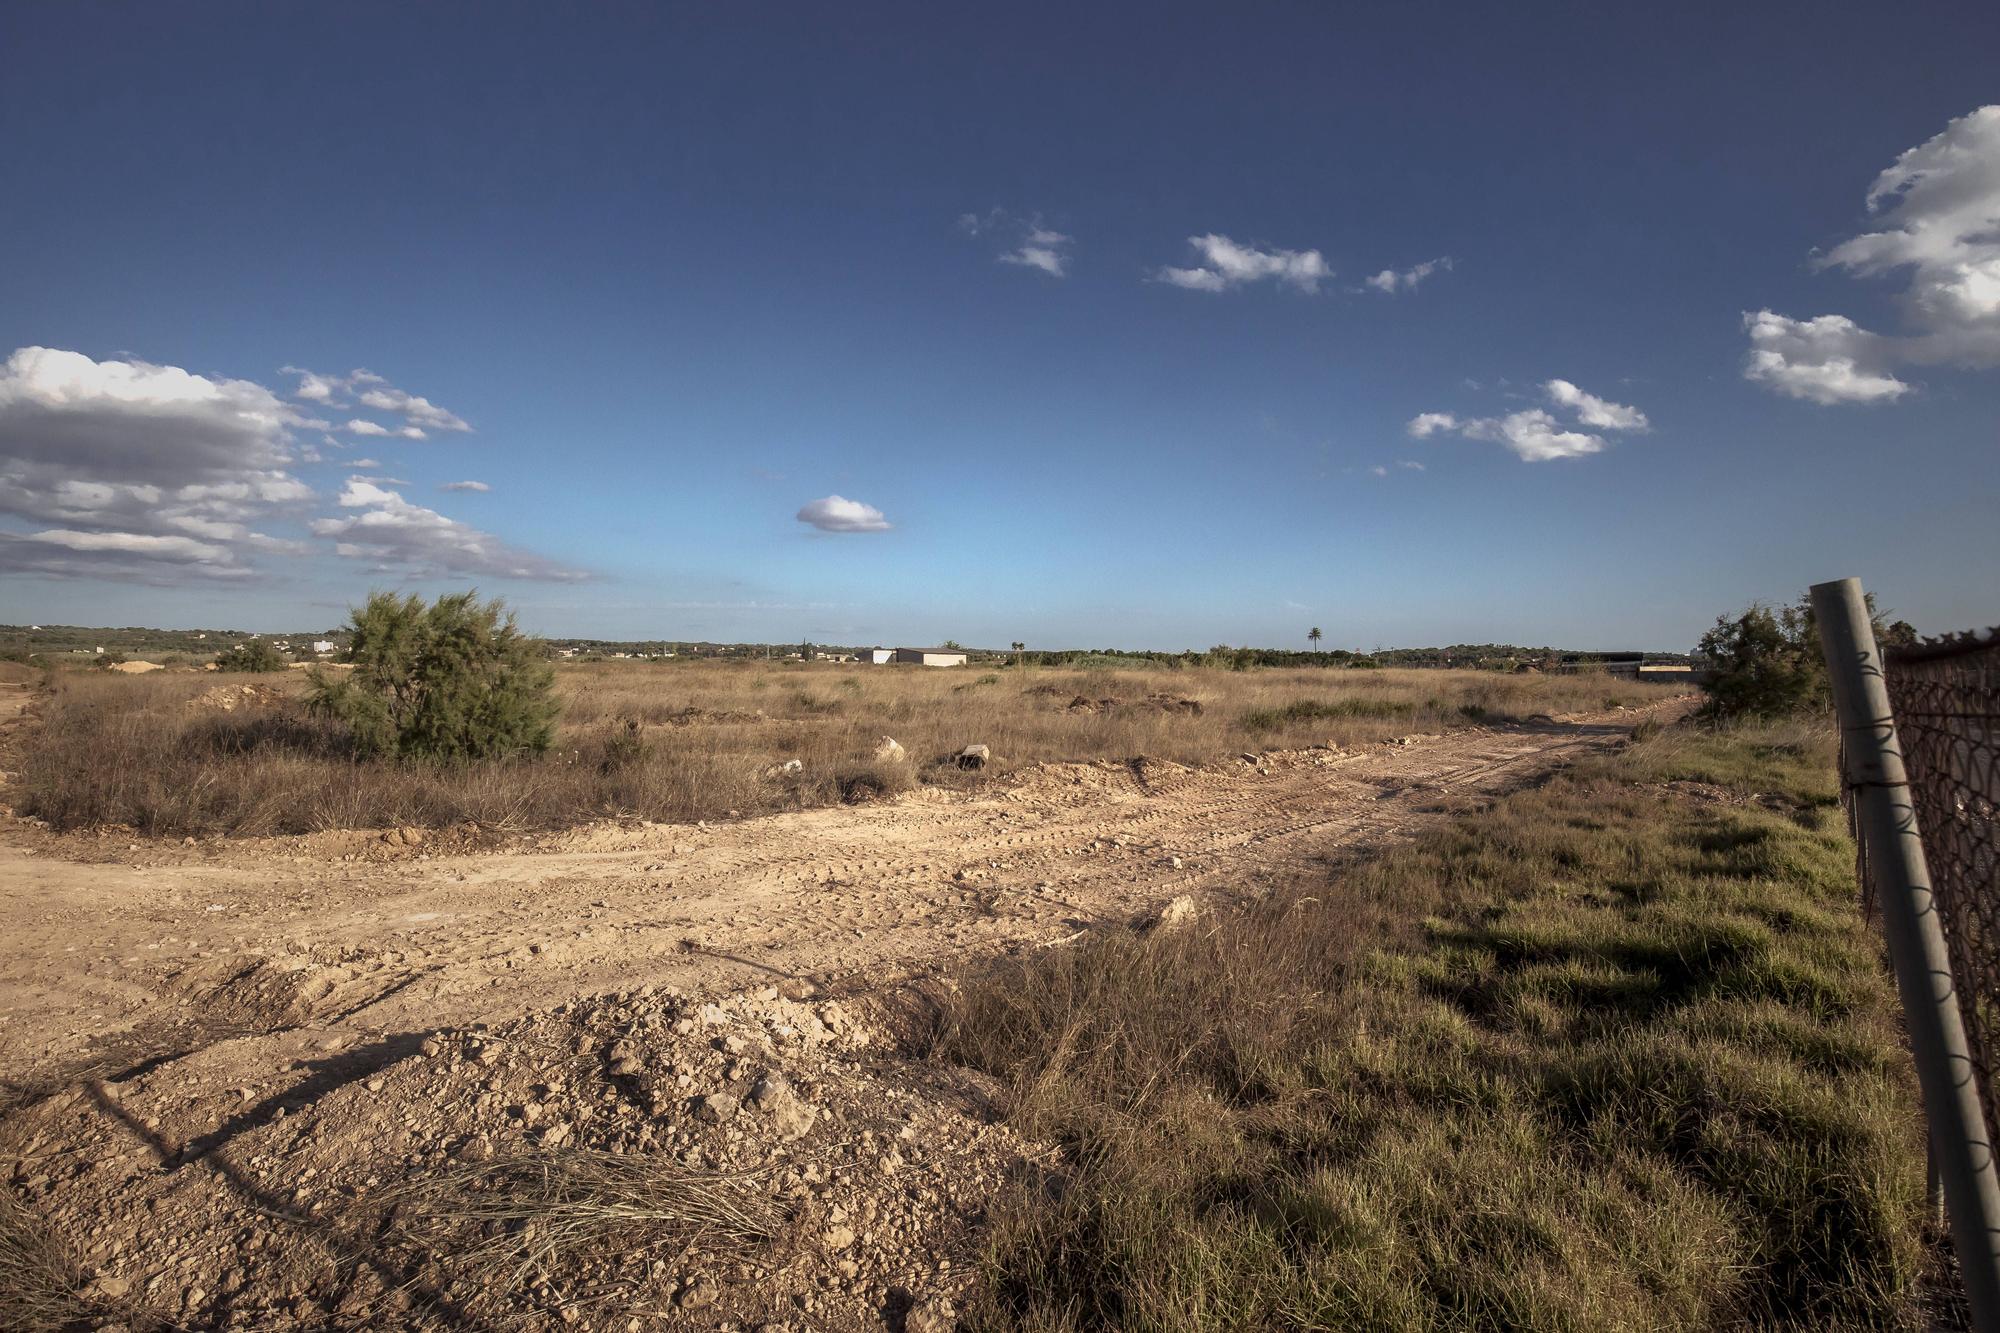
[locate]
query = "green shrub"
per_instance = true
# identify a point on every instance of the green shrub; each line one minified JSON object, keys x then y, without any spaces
{"x":452,"y":680}
{"x":1767,"y":663}
{"x":1764,"y":663}
{"x":1316,"y":710}
{"x":251,"y":655}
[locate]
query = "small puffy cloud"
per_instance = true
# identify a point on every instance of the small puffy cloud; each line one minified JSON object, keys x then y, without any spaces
{"x":1034,"y":245}
{"x":313,"y":388}
{"x":1939,"y":203}
{"x":479,"y":486}
{"x":1391,"y":281}
{"x":1826,"y":360}
{"x":398,"y":536}
{"x":366,"y":463}
{"x":1594,"y":411}
{"x":417,"y":410}
{"x":1379,"y":470}
{"x":835,"y":513}
{"x":1225,"y":264}
{"x":375,"y":430}
{"x":1193,"y":279}
{"x":1412,"y":464}
{"x":370,"y":390}
{"x":1534,"y":435}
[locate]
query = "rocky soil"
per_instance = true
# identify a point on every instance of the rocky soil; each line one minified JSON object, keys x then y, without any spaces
{"x":636,"y":1076}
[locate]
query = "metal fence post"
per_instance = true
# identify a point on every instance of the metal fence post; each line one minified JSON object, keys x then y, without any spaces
{"x":1873,"y":758}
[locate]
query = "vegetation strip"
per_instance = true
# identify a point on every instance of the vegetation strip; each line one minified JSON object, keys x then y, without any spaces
{"x":1618,"y":1053}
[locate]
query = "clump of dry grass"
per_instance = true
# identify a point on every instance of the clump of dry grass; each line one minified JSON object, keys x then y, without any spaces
{"x":687,"y":741}
{"x":41,"y":1284}
{"x":1591,"y":1059}
{"x":538,"y":1217}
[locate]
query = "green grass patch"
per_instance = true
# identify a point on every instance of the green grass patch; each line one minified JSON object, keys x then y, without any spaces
{"x":1321,"y":710}
{"x":1593,"y":1059}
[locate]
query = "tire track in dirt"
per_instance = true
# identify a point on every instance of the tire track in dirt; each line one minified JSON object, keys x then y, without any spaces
{"x":275,"y":950}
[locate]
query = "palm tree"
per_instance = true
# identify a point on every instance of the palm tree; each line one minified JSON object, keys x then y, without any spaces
{"x":1019,"y":649}
{"x":1312,"y":636}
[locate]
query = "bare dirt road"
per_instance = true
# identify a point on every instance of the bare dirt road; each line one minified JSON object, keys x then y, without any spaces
{"x":110,"y":961}
{"x":229,"y":1064}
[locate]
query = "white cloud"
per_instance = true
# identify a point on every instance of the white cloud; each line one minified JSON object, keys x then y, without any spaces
{"x":1940,"y":203}
{"x":1426,"y":424}
{"x":1943,"y":213}
{"x":1036,"y":246}
{"x":1391,"y":281}
{"x":128,"y":450}
{"x":1594,"y":411}
{"x":834,"y":513}
{"x":478,"y":486}
{"x":1227,"y":264}
{"x":313,"y":388}
{"x":152,"y":474}
{"x":419,"y":411}
{"x":1194,"y":279}
{"x":1826,"y":360}
{"x":366,"y":462}
{"x":374,"y":430}
{"x":138,"y":557}
{"x":1411,"y":464}
{"x":345,"y":390}
{"x":1378,"y":471}
{"x":1535,"y":435}
{"x":401,"y":537}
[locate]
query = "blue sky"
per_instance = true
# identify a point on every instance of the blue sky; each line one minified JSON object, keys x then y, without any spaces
{"x":1073,"y":307}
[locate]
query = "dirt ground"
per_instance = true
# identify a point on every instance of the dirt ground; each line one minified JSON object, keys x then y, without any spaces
{"x":254,"y":1083}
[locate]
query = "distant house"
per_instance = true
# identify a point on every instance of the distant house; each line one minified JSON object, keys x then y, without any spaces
{"x":881,"y":656}
{"x":322,"y":646}
{"x":938,"y":657}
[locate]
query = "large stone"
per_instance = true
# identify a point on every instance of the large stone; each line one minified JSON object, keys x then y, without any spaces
{"x":791,"y":1115}
{"x":716,"y":1107}
{"x":1178,"y":912}
{"x":890,"y":752}
{"x":974,"y":757}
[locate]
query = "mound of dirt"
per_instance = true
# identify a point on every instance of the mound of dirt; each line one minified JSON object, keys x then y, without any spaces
{"x":692,"y":716}
{"x":229,"y":698}
{"x":136,"y":668}
{"x":1161,"y":702}
{"x":744,"y":1162}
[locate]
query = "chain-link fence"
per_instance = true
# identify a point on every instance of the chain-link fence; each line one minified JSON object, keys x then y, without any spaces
{"x":1946,"y":700}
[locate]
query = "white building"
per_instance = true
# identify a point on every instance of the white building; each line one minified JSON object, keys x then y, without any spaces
{"x":938,"y":657}
{"x":322,"y":646}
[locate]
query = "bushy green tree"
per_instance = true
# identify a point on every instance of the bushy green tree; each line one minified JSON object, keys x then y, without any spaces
{"x":452,"y":680}
{"x":251,"y":655}
{"x":1765,"y":662}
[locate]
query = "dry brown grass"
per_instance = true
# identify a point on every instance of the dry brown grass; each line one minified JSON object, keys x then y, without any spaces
{"x":41,"y":1283}
{"x":1598,"y":1058}
{"x":533,"y":1218}
{"x":685,"y":741}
